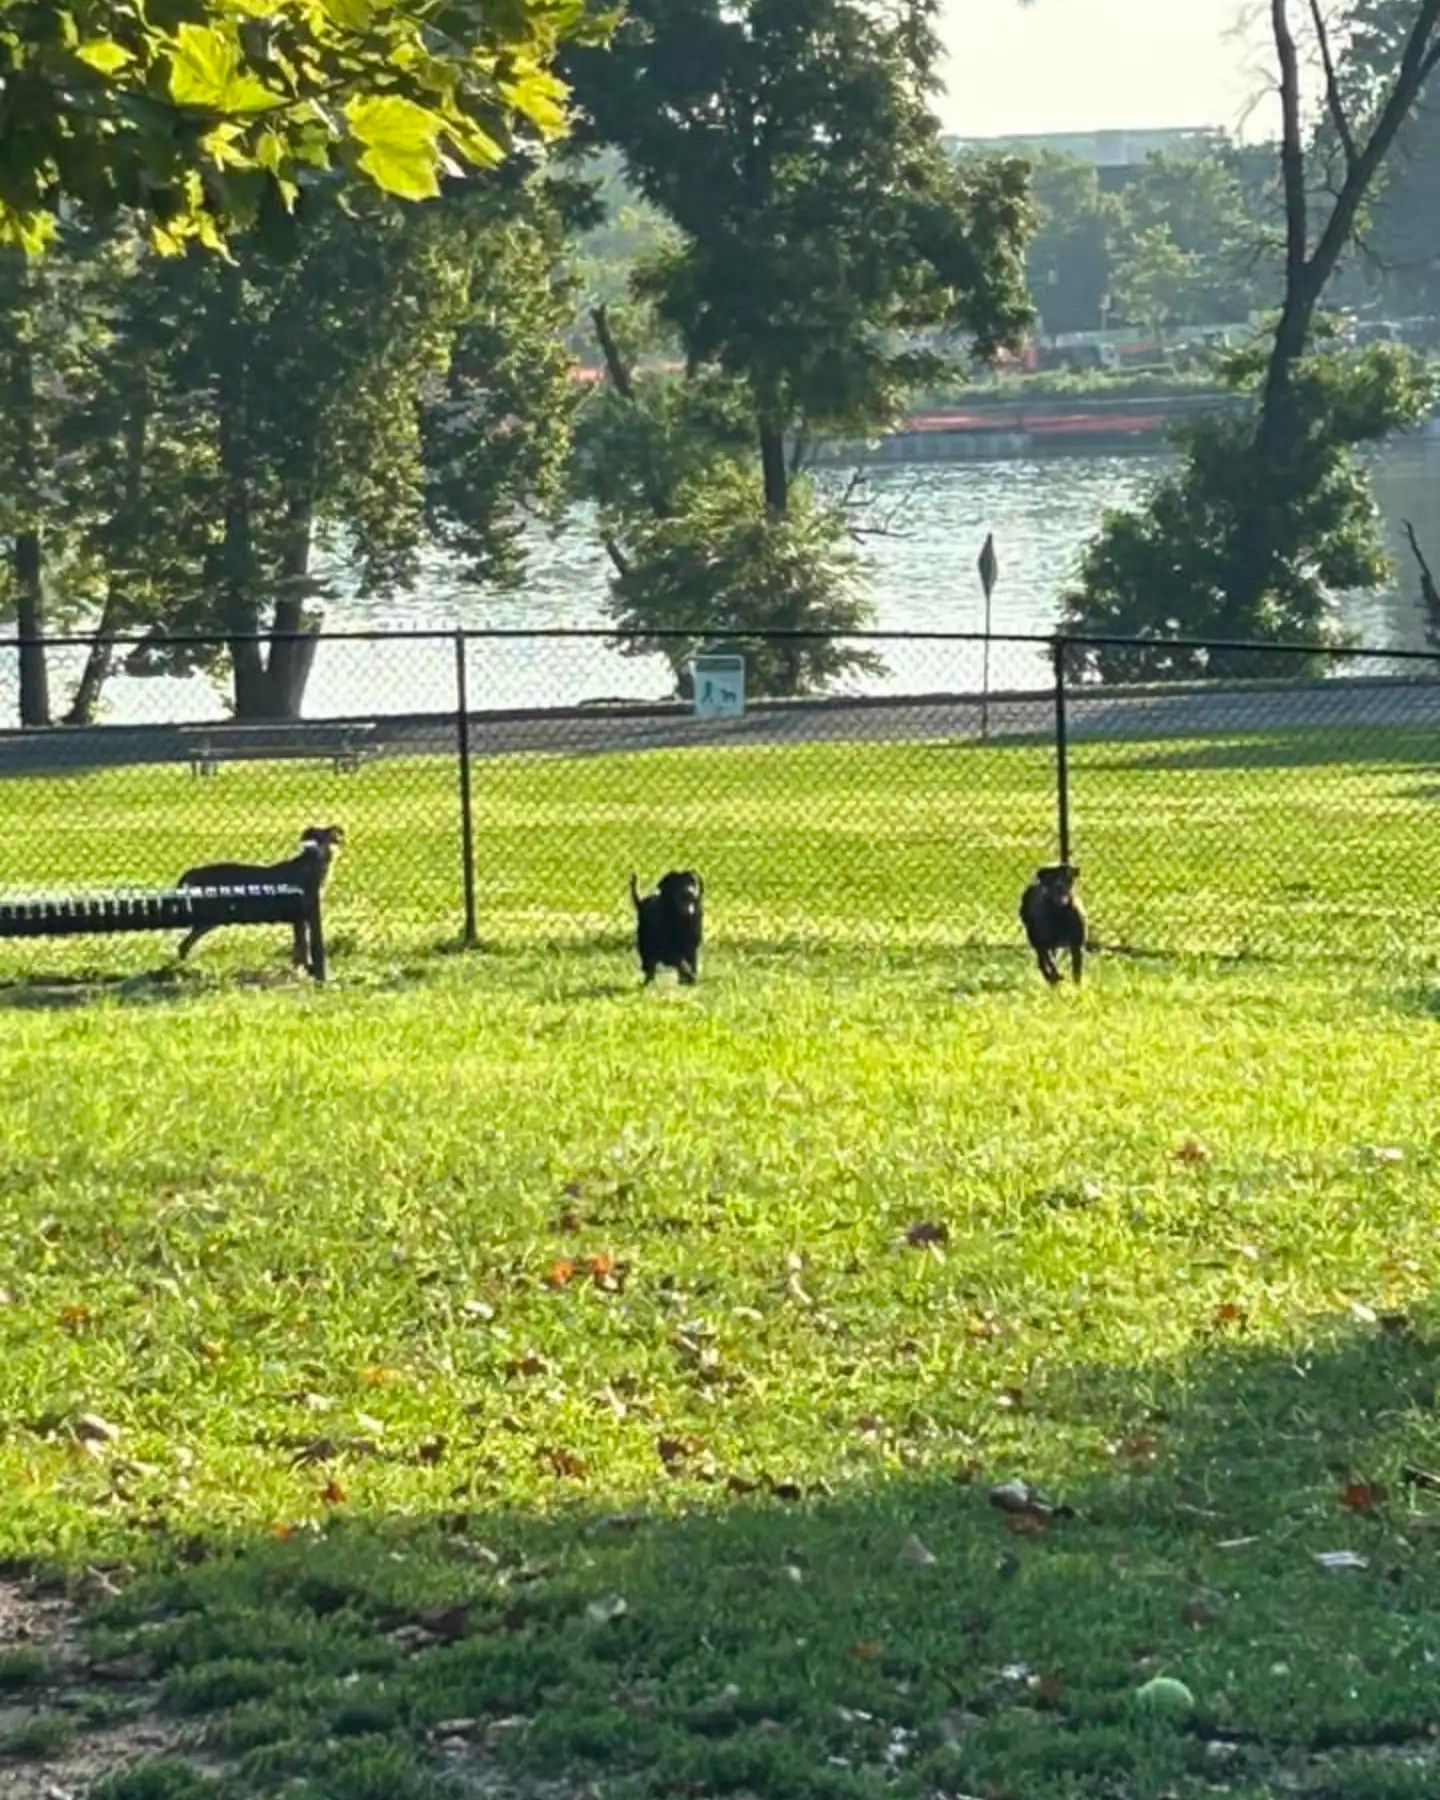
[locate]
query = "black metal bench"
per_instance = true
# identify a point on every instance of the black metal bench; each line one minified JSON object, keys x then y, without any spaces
{"x":344,"y":744}
{"x":179,"y":909}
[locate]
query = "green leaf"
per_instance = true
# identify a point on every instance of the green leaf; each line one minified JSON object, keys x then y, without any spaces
{"x":104,"y":54}
{"x":401,"y":144}
{"x":206,"y":71}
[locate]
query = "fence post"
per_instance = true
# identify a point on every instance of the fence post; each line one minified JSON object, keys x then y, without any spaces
{"x":467,"y":819}
{"x":1062,"y":750}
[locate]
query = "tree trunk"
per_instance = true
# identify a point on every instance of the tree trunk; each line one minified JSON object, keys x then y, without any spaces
{"x":292,"y":656}
{"x":28,"y":566}
{"x":97,"y":660}
{"x":124,"y":531}
{"x":27,"y":559}
{"x":773,"y":469}
{"x":237,"y":555}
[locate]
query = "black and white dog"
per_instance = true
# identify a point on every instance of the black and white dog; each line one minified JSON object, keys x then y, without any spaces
{"x":670,"y":923}
{"x":319,"y":846}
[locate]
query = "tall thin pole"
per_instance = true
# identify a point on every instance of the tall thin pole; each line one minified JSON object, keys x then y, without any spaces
{"x":1062,"y":751}
{"x":989,"y":568}
{"x":467,"y":819}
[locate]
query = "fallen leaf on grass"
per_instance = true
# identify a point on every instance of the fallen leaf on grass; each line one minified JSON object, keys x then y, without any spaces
{"x":677,"y":1453}
{"x":532,"y":1363}
{"x":608,"y":1610}
{"x":431,"y":1450}
{"x":1228,"y":1313}
{"x":1011,"y":1399}
{"x":1335,"y":1560}
{"x":560,"y":1461}
{"x":1385,"y":1153}
{"x":1191,"y":1154}
{"x":138,"y":1666}
{"x":376,"y":1375}
{"x":1144,"y":1449}
{"x":1026,"y":1510}
{"x":1366,"y":1497}
{"x":560,"y":1272}
{"x":915,"y":1554}
{"x":318,"y":1450}
{"x":445,"y":1623}
{"x":741,"y":1484}
{"x":74,"y":1319}
{"x":90,"y":1428}
{"x":332,"y":1493}
{"x":1048,"y":1689}
{"x":927,"y":1231}
{"x":865,"y":1651}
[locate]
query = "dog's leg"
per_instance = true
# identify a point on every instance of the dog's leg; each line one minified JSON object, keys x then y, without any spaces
{"x":300,"y":947}
{"x":1077,"y":961}
{"x":1047,"y":966}
{"x":686,"y":972}
{"x":649,"y":972}
{"x":191,"y":939}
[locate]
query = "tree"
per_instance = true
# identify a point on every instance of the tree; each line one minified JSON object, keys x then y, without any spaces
{"x":1068,"y":260}
{"x":717,"y":556}
{"x":400,"y":373}
{"x":1154,"y":281}
{"x":1187,"y":247}
{"x":208,"y":116}
{"x":1265,"y":519}
{"x":1173,"y":568}
{"x":822,"y":226}
{"x":52,"y":341}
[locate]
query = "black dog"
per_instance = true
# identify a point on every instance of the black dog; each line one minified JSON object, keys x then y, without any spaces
{"x":1054,"y":920}
{"x":319,"y":846}
{"x":670,"y":923}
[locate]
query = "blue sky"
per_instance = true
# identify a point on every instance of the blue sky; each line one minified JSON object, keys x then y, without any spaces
{"x":1067,"y":65}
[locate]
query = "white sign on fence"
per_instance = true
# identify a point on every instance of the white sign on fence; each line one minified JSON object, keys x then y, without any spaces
{"x":719,"y":687}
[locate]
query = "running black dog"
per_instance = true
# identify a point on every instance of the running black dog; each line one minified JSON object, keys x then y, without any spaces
{"x":1054,"y":920}
{"x":670,"y":923}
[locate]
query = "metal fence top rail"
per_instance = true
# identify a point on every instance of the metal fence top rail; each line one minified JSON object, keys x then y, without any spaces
{"x":679,"y":634}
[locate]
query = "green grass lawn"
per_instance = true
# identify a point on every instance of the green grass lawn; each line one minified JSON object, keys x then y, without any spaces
{"x":485,"y":1373}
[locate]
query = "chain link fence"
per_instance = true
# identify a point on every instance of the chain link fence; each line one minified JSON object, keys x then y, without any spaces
{"x":499,"y":788}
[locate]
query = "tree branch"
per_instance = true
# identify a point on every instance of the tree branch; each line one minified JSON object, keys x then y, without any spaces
{"x":1292,"y":144}
{"x":615,"y":365}
{"x":1333,"y":97}
{"x":615,"y":553}
{"x":1422,"y":53}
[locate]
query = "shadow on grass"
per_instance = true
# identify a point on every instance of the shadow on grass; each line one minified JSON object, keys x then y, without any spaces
{"x":897,"y":1634}
{"x":167,"y":985}
{"x":1315,"y":748}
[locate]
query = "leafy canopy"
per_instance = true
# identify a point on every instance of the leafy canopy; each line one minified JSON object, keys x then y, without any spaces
{"x":210,"y":114}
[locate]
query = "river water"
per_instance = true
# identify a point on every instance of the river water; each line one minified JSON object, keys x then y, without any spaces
{"x":921,"y":573}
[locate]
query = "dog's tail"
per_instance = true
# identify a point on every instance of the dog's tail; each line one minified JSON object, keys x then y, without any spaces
{"x":635,"y":890}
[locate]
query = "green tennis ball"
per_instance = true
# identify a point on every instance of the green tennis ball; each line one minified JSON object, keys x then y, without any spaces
{"x":1165,"y":1697}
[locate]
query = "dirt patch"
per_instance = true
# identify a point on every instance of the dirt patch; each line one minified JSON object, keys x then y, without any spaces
{"x":66,"y":1722}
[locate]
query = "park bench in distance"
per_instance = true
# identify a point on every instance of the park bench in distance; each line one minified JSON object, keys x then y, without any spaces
{"x":344,"y":744}
{"x":176,"y":909}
